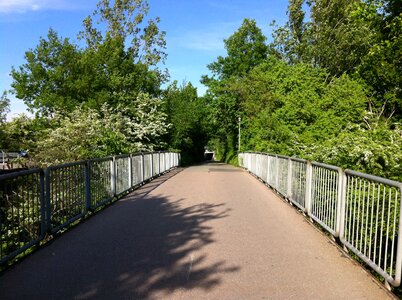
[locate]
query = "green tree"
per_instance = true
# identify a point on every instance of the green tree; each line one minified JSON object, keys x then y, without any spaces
{"x":22,"y":132}
{"x":361,"y":38}
{"x":373,"y":148}
{"x":381,"y":68}
{"x":291,"y":40}
{"x":246,"y":49}
{"x":188,"y":115}
{"x":289,"y":108}
{"x":49,"y":78}
{"x":88,"y":133}
{"x":117,"y":63}
{"x":4,"y":107}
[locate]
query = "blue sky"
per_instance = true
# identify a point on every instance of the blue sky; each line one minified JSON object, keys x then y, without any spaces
{"x":194,"y":30}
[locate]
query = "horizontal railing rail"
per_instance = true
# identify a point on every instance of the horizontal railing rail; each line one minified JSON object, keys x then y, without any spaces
{"x":363,"y":211}
{"x":37,"y":202}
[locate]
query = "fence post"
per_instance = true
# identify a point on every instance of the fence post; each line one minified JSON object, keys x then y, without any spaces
{"x":142,"y":168}
{"x":268,"y":166}
{"x":152,"y":164}
{"x":341,"y":219}
{"x":113,"y":176}
{"x":277,"y":172}
{"x":43,"y":205}
{"x":87,"y":174}
{"x":339,"y":210}
{"x":289,"y":188}
{"x":159,"y":163}
{"x":47,"y":200}
{"x":309,"y":183}
{"x":130,"y":170}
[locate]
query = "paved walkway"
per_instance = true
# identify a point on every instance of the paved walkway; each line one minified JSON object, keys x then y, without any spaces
{"x":208,"y":232}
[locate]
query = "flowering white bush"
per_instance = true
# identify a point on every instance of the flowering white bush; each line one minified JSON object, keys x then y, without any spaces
{"x":87,"y":133}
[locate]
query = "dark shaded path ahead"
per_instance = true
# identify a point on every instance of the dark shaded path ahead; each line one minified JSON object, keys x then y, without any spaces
{"x":211,"y":231}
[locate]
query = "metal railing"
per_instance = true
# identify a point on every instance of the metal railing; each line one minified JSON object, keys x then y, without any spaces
{"x":362,"y":210}
{"x":36,"y":202}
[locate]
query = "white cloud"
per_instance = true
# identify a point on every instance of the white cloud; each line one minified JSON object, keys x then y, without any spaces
{"x":21,"y":6}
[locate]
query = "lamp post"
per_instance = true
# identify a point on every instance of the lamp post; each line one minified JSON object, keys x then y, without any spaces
{"x":239,"y":133}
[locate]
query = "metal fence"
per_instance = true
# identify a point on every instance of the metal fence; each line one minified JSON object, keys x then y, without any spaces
{"x":362,"y":210}
{"x":36,"y":202}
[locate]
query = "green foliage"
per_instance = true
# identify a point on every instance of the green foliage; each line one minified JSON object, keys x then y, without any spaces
{"x":48,"y":79}
{"x":328,"y":87}
{"x":22,"y":132}
{"x":287,"y":108}
{"x":361,"y":38}
{"x":96,"y":100}
{"x":188,"y":115}
{"x":4,"y":107}
{"x":86,"y":133}
{"x":373,"y":149}
{"x":116,"y":65}
{"x":246,"y":49}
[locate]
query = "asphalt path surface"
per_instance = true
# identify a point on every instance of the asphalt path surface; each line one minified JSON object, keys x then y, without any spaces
{"x":205,"y":232}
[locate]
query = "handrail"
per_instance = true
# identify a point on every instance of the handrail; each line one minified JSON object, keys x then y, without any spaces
{"x":37,"y":202}
{"x":362,"y":210}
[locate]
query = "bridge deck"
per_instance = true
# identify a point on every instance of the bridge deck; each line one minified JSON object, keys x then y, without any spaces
{"x":211,"y":231}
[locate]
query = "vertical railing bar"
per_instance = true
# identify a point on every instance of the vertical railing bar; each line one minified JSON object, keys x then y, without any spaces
{"x":327,"y":197}
{"x":331,"y":190}
{"x":47,"y":197}
{"x":303,"y":183}
{"x":334,"y":207}
{"x":387,"y":234}
{"x":152,"y":166}
{"x":367,"y":218}
{"x":333,"y":202}
{"x":343,"y":211}
{"x":159,"y":163}
{"x":309,"y":183}
{"x":362,"y":219}
{"x":289,"y":183}
{"x":142,"y":168}
{"x":320,"y":205}
{"x":277,"y":172}
{"x":314,"y":193}
{"x":354,"y":212}
{"x":324,"y":194}
{"x":130,"y":171}
{"x":268,"y":171}
{"x":113,"y":175}
{"x":332,"y":195}
{"x":393,"y":232}
{"x":398,"y":262}
{"x":376,"y":222}
{"x":358,"y":215}
{"x":371,"y":219}
{"x":42,"y":201}
{"x":340,"y":210}
{"x":382,"y":223}
{"x":87,"y":172}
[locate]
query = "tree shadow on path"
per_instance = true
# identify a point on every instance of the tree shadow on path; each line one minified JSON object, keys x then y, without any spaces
{"x":140,"y":248}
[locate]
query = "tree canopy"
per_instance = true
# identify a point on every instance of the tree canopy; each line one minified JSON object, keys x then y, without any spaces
{"x":330,"y":77}
{"x":326,"y":87}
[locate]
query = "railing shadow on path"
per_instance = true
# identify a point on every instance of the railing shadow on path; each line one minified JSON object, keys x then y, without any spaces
{"x":139,"y":248}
